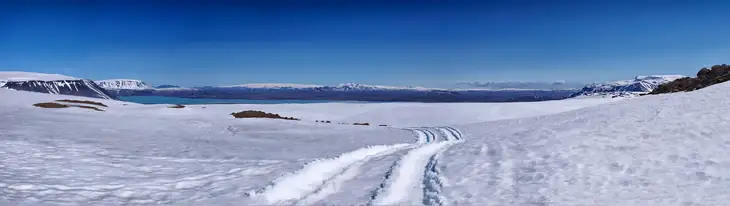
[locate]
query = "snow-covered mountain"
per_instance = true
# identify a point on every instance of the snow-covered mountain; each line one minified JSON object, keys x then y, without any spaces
{"x":6,"y":76}
{"x":52,"y":84}
{"x":123,"y":84}
{"x":638,"y":85}
{"x":79,"y":87}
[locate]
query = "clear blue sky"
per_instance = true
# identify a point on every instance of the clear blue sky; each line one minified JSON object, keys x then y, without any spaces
{"x":392,"y":42}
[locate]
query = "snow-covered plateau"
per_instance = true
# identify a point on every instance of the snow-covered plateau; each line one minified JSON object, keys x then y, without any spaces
{"x":671,"y":149}
{"x":123,"y":84}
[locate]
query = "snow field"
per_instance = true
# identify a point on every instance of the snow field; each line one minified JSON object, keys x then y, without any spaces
{"x":653,"y":150}
{"x":151,"y":154}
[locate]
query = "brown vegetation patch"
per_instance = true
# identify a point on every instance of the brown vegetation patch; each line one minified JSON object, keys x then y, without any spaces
{"x":58,"y":105}
{"x":177,"y":106}
{"x":259,"y":114}
{"x":89,"y":107}
{"x":705,"y":77}
{"x":364,"y":123}
{"x":50,"y":105}
{"x":82,"y":102}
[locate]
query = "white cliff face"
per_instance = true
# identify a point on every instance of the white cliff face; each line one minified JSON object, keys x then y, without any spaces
{"x":123,"y":84}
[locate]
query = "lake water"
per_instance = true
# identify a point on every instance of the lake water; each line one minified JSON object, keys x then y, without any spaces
{"x":177,"y":100}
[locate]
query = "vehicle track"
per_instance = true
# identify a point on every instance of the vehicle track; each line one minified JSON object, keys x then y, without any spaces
{"x":414,"y":178}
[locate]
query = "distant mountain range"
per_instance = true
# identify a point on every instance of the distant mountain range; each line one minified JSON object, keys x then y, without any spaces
{"x":638,"y":85}
{"x":123,"y":84}
{"x":346,"y":92}
{"x":525,"y":85}
{"x":484,"y":91}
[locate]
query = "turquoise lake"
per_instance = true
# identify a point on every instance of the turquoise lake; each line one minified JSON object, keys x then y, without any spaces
{"x":177,"y":100}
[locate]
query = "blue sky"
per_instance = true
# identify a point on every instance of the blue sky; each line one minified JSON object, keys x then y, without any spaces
{"x":392,"y":42}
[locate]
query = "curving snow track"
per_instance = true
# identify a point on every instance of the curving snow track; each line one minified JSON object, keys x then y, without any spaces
{"x":412,"y":178}
{"x":415,"y":178}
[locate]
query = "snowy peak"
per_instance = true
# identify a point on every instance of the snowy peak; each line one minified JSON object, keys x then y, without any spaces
{"x":640,"y":84}
{"x":116,"y":84}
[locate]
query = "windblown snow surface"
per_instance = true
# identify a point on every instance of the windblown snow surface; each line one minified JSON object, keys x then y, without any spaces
{"x":651,"y":150}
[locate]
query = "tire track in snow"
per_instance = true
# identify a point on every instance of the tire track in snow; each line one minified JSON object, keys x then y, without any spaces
{"x":300,"y":184}
{"x":417,"y":173}
{"x":431,"y":135}
{"x":321,"y":178}
{"x":334,"y":184}
{"x":454,"y":132}
{"x":422,"y":136}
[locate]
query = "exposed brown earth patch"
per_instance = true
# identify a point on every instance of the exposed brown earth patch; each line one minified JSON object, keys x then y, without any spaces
{"x":58,"y":105}
{"x":82,"y":102}
{"x":50,"y":105}
{"x":89,"y":107}
{"x":177,"y":106}
{"x":259,"y":114}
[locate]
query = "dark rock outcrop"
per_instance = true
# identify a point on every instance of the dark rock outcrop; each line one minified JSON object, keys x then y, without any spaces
{"x":705,"y":77}
{"x":79,"y":87}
